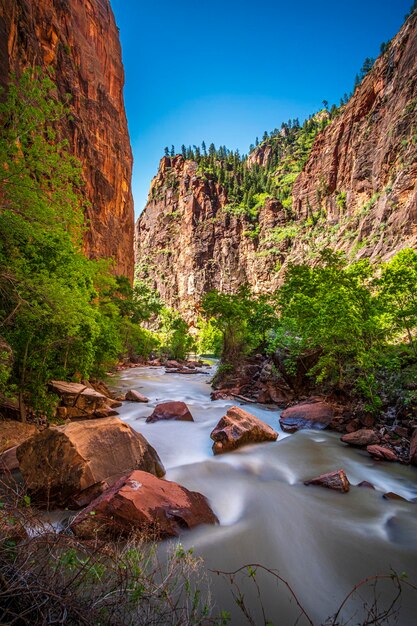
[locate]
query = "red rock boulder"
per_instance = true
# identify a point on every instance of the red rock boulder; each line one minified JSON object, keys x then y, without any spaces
{"x":135,"y":396}
{"x":143,"y":502}
{"x":238,"y":428}
{"x":315,"y":414}
{"x":80,"y":401}
{"x":70,"y":464}
{"x":362,"y":437}
{"x":333,"y":480}
{"x":171,"y":411}
{"x":381,"y":453}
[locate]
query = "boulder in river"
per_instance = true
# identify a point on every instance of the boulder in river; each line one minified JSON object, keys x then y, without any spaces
{"x":69,"y":464}
{"x":382,"y":453}
{"x":333,"y":480}
{"x":238,"y":428}
{"x":178,"y":411}
{"x":140,"y":501}
{"x":135,"y":396}
{"x":315,"y":414}
{"x":361,"y":437}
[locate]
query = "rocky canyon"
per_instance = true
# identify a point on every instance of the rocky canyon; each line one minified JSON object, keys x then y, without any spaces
{"x":355,"y":191}
{"x":79,"y":41}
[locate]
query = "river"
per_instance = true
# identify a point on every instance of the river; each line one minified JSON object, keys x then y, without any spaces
{"x":322,"y":542}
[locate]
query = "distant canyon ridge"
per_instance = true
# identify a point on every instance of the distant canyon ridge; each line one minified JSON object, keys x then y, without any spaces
{"x":356,"y":192}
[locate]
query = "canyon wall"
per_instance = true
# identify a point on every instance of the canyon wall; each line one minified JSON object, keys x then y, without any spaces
{"x":79,"y":39}
{"x":187,"y":244}
{"x":357,"y":193}
{"x":363,"y":167}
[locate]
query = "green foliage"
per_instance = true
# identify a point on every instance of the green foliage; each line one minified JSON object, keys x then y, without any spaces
{"x":209,"y":337}
{"x":398,"y":293}
{"x":63,"y":316}
{"x":330,"y":308}
{"x":175,"y":340}
{"x":242,"y":320}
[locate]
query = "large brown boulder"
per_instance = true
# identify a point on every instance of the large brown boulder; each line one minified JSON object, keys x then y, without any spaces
{"x":315,"y":414}
{"x":171,"y":411}
{"x":333,"y":480}
{"x":142,"y":502}
{"x":80,"y":401}
{"x":70,"y":464}
{"x":361,"y":437}
{"x":237,"y":428}
{"x":413,"y":448}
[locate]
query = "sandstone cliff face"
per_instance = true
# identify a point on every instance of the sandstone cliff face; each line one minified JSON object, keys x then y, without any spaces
{"x":357,"y":193}
{"x":362,"y":172}
{"x":187,"y":244}
{"x":80,"y":40}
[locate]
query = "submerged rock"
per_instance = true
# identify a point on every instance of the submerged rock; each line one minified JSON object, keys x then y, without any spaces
{"x":171,"y":411}
{"x":390,"y":495}
{"x":315,"y":414}
{"x":333,"y":480}
{"x":61,"y":463}
{"x":365,"y":484}
{"x":238,"y":428}
{"x":143,"y":502}
{"x":362,"y":437}
{"x":135,"y":396}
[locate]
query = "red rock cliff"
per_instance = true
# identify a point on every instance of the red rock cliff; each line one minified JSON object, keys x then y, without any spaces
{"x":362,"y":172}
{"x":80,"y":40}
{"x":187,"y":244}
{"x":357,"y":193}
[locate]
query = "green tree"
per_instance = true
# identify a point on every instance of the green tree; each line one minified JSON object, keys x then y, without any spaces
{"x":398,"y":294}
{"x":175,"y":339}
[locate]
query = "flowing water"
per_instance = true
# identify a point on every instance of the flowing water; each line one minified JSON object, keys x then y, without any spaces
{"x":320,"y":541}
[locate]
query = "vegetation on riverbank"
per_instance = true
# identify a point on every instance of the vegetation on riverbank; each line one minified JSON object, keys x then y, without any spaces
{"x":353,"y":326}
{"x":63,"y":316}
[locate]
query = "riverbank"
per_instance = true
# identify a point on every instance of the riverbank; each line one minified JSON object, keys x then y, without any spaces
{"x":266,"y":513}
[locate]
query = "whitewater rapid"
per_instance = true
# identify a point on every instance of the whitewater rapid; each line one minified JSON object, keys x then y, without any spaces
{"x":322,"y":542}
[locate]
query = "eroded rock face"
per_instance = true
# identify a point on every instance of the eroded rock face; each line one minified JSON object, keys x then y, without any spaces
{"x":360,"y":178}
{"x":143,"y":502}
{"x":333,"y":480}
{"x":311,"y":414}
{"x":367,"y":154}
{"x":238,"y":428}
{"x":187,"y":244}
{"x":66,"y":464}
{"x":80,"y":40}
{"x":178,"y":411}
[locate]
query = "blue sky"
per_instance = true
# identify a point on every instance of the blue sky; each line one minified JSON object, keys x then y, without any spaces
{"x":225,"y":71}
